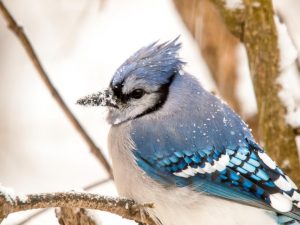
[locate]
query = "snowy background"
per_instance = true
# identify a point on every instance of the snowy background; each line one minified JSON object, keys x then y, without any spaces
{"x":80,"y":43}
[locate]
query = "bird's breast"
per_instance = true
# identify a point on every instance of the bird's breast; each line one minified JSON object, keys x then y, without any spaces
{"x":173,"y":205}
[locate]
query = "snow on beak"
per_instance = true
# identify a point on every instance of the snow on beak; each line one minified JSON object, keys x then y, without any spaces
{"x":104,"y":98}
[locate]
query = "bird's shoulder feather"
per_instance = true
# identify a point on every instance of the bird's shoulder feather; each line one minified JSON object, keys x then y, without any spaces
{"x":214,"y":153}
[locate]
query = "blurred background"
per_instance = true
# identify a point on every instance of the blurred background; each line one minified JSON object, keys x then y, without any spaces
{"x":80,"y":44}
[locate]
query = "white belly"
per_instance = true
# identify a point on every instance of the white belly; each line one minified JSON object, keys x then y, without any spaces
{"x":179,"y":210}
{"x":175,"y":206}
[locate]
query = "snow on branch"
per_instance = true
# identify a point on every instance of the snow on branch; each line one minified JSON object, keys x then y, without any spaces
{"x":289,"y":78}
{"x":288,"y":12}
{"x":126,"y":208}
{"x":234,"y":4}
{"x":76,"y":216}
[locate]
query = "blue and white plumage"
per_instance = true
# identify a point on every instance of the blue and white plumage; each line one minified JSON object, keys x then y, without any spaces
{"x":176,"y":145}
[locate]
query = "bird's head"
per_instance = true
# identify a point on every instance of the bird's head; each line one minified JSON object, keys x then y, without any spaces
{"x":141,"y":84}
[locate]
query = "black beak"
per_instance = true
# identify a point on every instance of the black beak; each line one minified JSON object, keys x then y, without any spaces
{"x":105,"y":98}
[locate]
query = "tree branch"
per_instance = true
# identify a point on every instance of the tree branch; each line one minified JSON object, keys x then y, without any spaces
{"x":260,"y":38}
{"x":86,"y":188}
{"x":123,"y":207}
{"x":18,"y":31}
{"x":234,"y":18}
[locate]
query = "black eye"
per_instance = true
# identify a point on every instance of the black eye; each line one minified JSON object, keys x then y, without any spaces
{"x":137,"y":93}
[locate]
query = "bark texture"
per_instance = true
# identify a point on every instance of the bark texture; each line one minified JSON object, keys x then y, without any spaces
{"x":126,"y":208}
{"x":260,"y":38}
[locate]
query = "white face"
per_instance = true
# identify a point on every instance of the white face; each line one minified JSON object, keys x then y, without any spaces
{"x":135,"y":97}
{"x":132,"y":108}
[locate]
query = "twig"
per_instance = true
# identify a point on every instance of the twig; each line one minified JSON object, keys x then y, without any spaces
{"x":96,"y":184}
{"x":88,"y":187}
{"x":18,"y":31}
{"x":123,"y":207}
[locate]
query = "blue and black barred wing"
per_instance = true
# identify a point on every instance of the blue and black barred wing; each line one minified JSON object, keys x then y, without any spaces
{"x":243,"y":173}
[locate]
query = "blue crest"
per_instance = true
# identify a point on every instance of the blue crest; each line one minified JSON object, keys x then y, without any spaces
{"x":155,"y":62}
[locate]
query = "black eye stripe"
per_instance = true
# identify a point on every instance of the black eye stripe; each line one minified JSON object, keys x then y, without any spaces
{"x":124,"y":98}
{"x":137,"y":93}
{"x":117,"y":90}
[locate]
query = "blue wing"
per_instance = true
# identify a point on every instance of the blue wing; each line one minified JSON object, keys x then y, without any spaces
{"x":218,"y":157}
{"x":243,"y":174}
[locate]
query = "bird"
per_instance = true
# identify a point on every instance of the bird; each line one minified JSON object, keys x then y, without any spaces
{"x":180,"y":147}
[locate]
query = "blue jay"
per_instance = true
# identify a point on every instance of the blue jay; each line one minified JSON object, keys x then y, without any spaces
{"x":178,"y":146}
